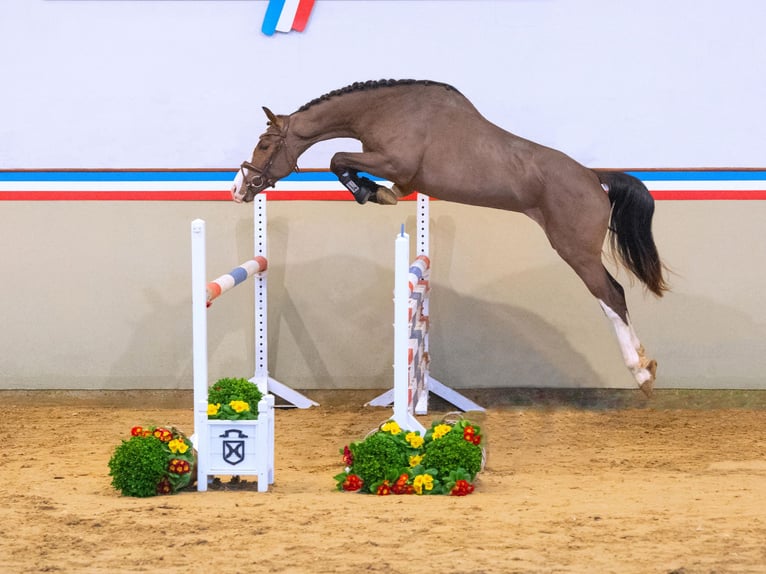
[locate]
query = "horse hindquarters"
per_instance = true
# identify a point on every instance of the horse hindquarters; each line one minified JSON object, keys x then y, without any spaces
{"x":577,"y":229}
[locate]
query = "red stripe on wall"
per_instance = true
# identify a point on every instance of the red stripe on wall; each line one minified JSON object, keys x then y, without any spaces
{"x":171,"y":196}
{"x":115,"y":196}
{"x":667,"y":195}
{"x":709,"y":195}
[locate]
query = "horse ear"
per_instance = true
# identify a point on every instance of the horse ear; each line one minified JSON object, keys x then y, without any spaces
{"x":272,"y":117}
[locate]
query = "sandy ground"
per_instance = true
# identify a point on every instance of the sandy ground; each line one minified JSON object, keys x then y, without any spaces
{"x":572,"y":484}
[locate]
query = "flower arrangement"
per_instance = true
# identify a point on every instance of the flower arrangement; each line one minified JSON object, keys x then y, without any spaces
{"x":393,"y":461}
{"x":233,"y":399}
{"x":155,"y":460}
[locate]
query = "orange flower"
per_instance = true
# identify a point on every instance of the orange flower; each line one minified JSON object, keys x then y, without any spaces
{"x":163,"y":434}
{"x":178,"y":466}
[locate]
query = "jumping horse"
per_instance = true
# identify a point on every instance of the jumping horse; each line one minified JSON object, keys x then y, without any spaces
{"x":426,"y":136}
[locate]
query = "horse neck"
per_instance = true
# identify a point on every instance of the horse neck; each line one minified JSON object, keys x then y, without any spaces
{"x":324,"y":121}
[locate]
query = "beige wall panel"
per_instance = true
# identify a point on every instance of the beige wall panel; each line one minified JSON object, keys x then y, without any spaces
{"x":97,"y":295}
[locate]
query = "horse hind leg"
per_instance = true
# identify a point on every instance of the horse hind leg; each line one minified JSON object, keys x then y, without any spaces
{"x":643,"y":369}
{"x":611,"y":297}
{"x":576,"y":230}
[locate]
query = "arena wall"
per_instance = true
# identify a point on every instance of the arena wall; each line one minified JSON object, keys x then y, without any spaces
{"x":96,"y":293}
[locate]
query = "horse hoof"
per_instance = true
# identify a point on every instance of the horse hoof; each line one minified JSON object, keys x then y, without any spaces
{"x":652,"y":368}
{"x":647,"y":387}
{"x":385,"y":196}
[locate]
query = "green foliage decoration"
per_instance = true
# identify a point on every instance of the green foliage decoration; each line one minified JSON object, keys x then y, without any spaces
{"x":137,"y":466}
{"x":155,"y":460}
{"x":379,"y":455}
{"x":233,"y":399}
{"x":391,"y":460}
{"x":452,"y":451}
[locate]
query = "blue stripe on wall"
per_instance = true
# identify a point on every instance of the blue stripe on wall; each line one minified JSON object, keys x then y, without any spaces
{"x":179,"y":175}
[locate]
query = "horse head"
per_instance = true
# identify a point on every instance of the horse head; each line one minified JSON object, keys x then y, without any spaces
{"x":270,"y":162}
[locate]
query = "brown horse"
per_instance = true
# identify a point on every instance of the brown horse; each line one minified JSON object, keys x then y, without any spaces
{"x":427,"y":136}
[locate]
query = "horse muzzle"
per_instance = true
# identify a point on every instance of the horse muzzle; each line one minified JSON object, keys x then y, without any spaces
{"x":245,"y":188}
{"x":244,"y":193}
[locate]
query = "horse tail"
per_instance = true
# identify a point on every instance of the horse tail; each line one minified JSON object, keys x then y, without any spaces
{"x":630,"y":228}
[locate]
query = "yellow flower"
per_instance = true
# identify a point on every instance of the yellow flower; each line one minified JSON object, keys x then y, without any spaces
{"x":441,"y":430}
{"x":239,"y":406}
{"x":177,"y":445}
{"x":415,"y":460}
{"x":212,"y":409}
{"x":415,"y":440}
{"x":423,"y":481}
{"x":391,"y":427}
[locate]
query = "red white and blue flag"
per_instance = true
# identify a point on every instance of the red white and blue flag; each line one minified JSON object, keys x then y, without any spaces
{"x":286,"y":15}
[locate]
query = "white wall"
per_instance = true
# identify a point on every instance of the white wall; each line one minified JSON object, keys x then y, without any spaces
{"x":124,"y":84}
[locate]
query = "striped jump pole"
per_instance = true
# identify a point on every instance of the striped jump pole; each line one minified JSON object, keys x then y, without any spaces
{"x":412,"y":378}
{"x":222,"y":284}
{"x":418,"y":360}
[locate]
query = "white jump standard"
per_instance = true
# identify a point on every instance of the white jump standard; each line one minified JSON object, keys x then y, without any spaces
{"x":225,"y":447}
{"x":262,"y":378}
{"x":412,"y":379}
{"x":243,"y":447}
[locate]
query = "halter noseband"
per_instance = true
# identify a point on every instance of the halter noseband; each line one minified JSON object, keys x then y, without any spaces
{"x":263,"y":180}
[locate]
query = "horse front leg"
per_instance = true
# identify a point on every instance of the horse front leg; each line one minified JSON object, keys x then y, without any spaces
{"x":346,"y":166}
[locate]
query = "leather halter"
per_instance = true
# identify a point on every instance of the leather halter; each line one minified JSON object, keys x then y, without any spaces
{"x":263,"y":180}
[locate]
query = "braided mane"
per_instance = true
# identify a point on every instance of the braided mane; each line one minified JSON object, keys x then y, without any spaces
{"x":371,"y":85}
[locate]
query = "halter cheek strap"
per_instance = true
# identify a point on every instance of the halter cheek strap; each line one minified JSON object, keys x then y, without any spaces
{"x":263,"y":180}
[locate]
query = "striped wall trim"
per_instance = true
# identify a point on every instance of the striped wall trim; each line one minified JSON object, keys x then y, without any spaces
{"x":214,"y":185}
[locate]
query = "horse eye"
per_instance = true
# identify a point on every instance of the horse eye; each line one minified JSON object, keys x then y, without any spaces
{"x":263,"y":146}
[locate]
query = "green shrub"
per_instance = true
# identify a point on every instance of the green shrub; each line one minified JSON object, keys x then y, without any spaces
{"x":227,"y":391}
{"x":377,"y":456}
{"x":138,"y":465}
{"x":452,"y":451}
{"x":395,"y":461}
